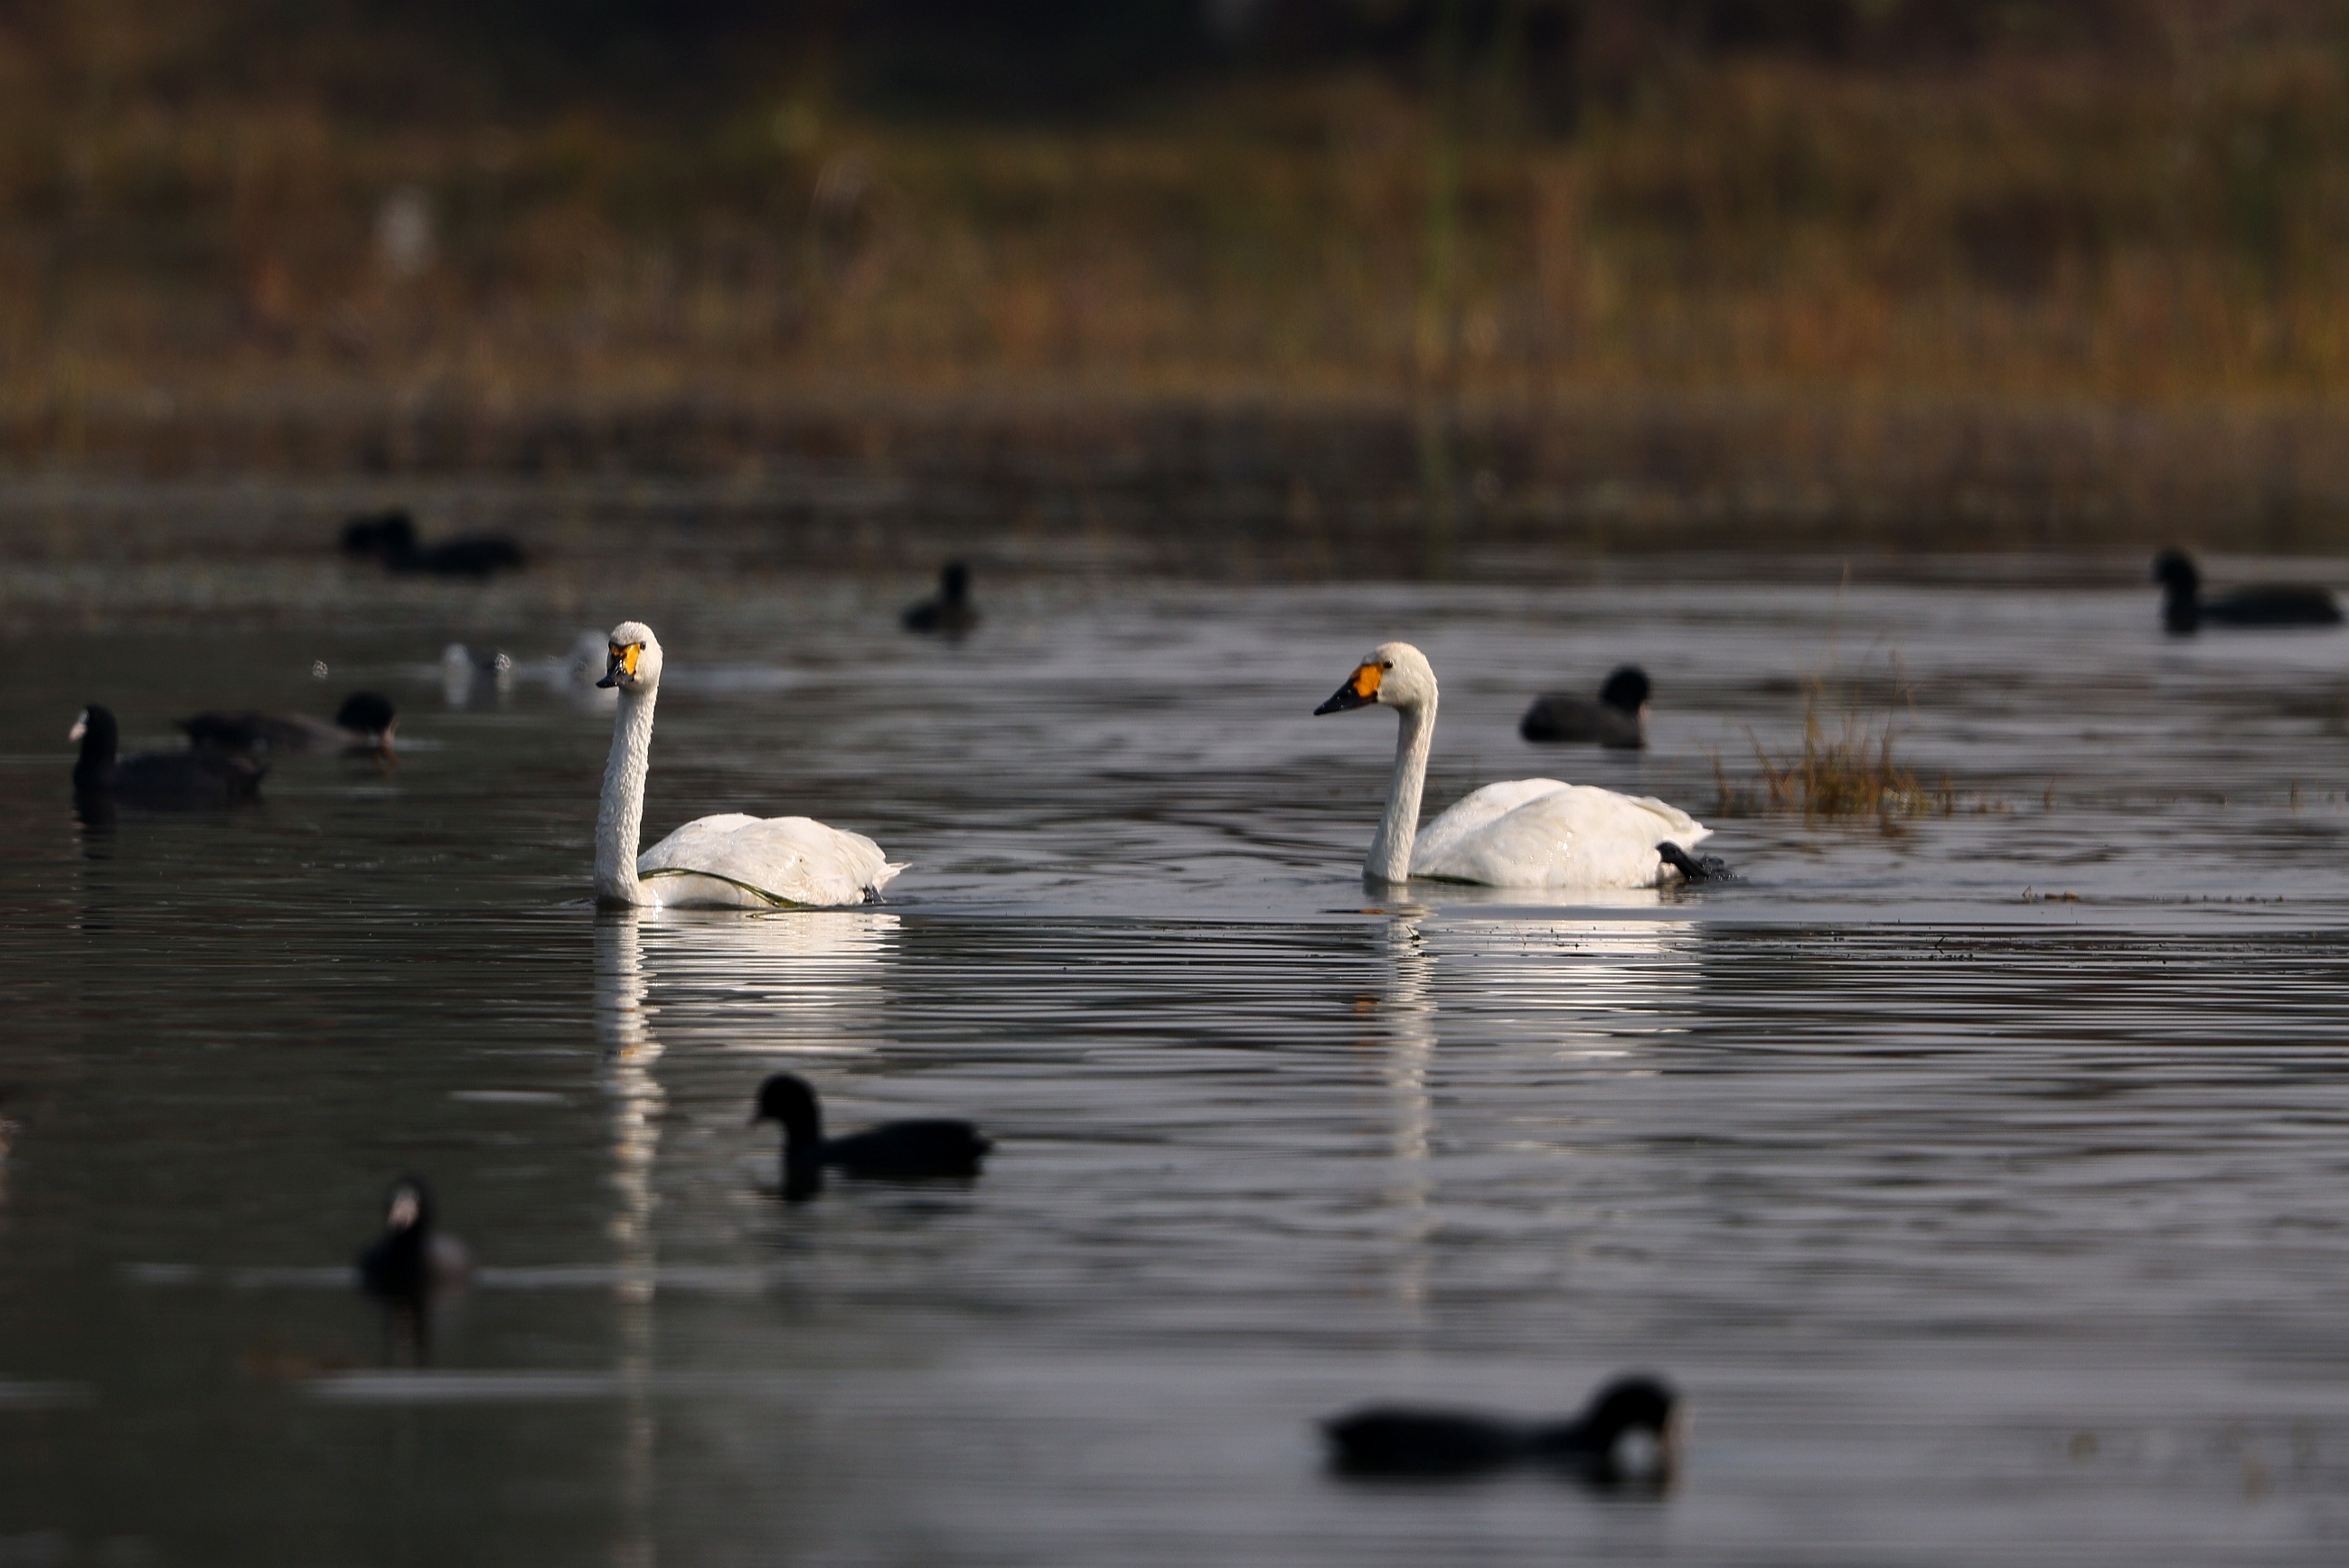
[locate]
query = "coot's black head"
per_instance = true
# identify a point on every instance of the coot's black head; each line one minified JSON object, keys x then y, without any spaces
{"x":2174,"y":570}
{"x":1626,"y":690}
{"x":1638,"y":1403}
{"x":1630,"y":1433}
{"x":389,"y":532}
{"x":786,"y":1098}
{"x":407,"y":1207}
{"x":954,"y":582}
{"x":367,"y":712}
{"x":94,"y":726}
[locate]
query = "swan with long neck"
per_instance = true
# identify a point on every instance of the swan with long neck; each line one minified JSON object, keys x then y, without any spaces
{"x":726,"y":861}
{"x":1527,"y":832}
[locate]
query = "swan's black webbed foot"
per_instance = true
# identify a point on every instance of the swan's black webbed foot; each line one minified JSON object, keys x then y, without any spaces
{"x":1695,"y":868}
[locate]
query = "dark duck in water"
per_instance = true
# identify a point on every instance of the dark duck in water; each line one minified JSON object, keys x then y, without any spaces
{"x":951,"y":611}
{"x":1618,"y":717}
{"x":411,"y":1259}
{"x":2183,"y":609}
{"x":364,"y":723}
{"x":155,"y":777}
{"x":1628,"y":1432}
{"x":914,"y":1150}
{"x":390,"y":538}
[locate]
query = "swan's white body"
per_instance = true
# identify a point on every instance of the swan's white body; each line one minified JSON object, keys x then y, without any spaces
{"x":726,"y":861}
{"x":1528,"y":832}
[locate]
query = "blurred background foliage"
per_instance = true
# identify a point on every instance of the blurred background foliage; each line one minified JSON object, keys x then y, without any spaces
{"x":219,"y":212}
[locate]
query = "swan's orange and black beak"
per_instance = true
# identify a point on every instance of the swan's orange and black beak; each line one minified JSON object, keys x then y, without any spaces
{"x":1361,"y":689}
{"x":623,"y":664}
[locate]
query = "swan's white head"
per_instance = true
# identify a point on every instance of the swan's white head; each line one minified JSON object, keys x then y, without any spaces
{"x":1395,"y":675}
{"x":635,"y":663}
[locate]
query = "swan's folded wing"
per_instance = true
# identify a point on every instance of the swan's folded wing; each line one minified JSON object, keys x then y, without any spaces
{"x":1442,"y":841}
{"x":790,"y":859}
{"x":1548,"y":834}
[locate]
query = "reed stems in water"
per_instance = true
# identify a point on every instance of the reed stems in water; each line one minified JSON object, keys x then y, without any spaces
{"x":1847,"y":766}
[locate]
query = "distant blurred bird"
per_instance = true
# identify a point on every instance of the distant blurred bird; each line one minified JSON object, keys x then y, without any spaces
{"x":578,"y":674}
{"x":951,"y":611}
{"x":1628,"y":1432}
{"x":2183,"y":608}
{"x":894,"y":1152}
{"x":364,"y":723}
{"x":201,"y":778}
{"x":463,"y":671}
{"x":390,"y":538}
{"x":412,"y":1258}
{"x":585,"y":667}
{"x":1618,"y":718}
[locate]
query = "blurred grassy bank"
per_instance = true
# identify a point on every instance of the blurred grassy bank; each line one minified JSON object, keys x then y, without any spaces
{"x":2077,"y":283}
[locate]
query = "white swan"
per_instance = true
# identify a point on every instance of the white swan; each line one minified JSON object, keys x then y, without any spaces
{"x":728,"y":862}
{"x":1528,"y":832}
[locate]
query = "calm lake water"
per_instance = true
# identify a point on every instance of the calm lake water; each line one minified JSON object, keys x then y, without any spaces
{"x":1980,"y":1180}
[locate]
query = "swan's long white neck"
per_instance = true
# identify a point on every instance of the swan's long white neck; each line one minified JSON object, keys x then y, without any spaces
{"x":620,"y":816}
{"x":1390,"y":857}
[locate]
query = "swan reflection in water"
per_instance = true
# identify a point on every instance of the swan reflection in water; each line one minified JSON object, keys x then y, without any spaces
{"x":795,"y":981}
{"x":792,"y":981}
{"x":1583,"y":991}
{"x":623,"y":1030}
{"x":1590,"y":990}
{"x":1404,"y":1015}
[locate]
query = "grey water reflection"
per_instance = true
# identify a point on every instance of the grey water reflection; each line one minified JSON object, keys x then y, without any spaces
{"x":791,"y":983}
{"x":794,"y":982}
{"x":1979,"y":1229}
{"x":629,"y":1053}
{"x":1407,"y":1024}
{"x":1588,"y":994}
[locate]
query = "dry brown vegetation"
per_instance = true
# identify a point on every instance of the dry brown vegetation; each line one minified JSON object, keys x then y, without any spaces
{"x":2028,"y":295}
{"x":1847,"y":766}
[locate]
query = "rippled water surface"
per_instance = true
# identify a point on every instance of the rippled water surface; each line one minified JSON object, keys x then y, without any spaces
{"x":1980,"y":1179}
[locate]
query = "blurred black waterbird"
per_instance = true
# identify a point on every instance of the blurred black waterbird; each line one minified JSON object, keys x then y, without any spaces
{"x":911,"y":1150}
{"x":2183,"y":609}
{"x":411,"y":1259}
{"x":364,"y":723}
{"x":156,"y":777}
{"x":1618,"y":717}
{"x":1628,"y":1432}
{"x":951,"y":611}
{"x":390,"y":538}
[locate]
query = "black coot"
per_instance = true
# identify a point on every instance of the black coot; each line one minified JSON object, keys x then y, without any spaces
{"x":390,"y":538}
{"x":1630,"y":1431}
{"x":364,"y":723}
{"x":1618,"y":718}
{"x":2183,"y":609}
{"x":156,"y":777}
{"x":411,"y":1259}
{"x":951,"y":611}
{"x":892,"y":1151}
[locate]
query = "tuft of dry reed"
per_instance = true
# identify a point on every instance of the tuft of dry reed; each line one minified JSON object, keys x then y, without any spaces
{"x":1847,"y":766}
